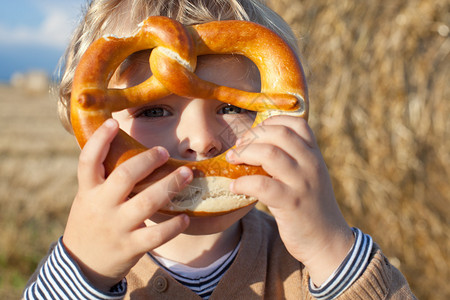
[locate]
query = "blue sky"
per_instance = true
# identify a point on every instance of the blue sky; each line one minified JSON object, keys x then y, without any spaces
{"x":34,"y":33}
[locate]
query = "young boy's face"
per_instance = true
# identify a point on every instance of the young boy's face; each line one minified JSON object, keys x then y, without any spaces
{"x":191,"y":128}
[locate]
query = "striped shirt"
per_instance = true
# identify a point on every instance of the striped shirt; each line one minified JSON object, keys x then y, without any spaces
{"x":61,"y":278}
{"x":350,"y":269}
{"x":202,"y":281}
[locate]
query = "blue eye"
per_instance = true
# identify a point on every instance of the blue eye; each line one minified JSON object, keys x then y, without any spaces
{"x":231,"y":109}
{"x":153,"y":112}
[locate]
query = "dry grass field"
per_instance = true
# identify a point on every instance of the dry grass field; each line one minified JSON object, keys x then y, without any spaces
{"x":378,"y":73}
{"x":38,"y":161}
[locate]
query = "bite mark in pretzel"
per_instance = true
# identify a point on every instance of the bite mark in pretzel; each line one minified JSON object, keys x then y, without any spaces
{"x":173,"y":59}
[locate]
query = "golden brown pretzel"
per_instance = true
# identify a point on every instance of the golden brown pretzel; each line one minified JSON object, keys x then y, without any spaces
{"x":173,"y":61}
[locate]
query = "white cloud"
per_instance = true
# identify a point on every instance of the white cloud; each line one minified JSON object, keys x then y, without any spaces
{"x":54,"y":30}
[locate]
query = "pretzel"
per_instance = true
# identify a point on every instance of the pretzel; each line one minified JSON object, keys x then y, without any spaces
{"x":175,"y":49}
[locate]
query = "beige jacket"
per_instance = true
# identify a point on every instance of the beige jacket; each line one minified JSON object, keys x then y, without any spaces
{"x":263,"y":269}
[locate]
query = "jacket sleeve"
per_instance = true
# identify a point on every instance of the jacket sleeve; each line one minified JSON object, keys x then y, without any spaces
{"x":34,"y":276}
{"x":380,"y":280}
{"x":59,"y":277}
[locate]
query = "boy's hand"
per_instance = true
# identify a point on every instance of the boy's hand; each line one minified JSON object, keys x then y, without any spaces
{"x":105,"y":232}
{"x":299,"y":194}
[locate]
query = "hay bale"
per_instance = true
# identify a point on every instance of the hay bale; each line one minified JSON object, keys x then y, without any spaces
{"x":33,"y":82}
{"x":378,"y":74}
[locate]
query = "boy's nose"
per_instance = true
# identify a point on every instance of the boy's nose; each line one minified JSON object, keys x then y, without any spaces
{"x":198,"y":136}
{"x":199,"y":149}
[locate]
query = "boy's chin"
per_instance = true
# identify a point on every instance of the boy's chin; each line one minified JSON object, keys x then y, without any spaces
{"x":208,"y":224}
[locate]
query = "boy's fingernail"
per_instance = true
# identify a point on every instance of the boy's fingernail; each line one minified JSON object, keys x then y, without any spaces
{"x":110,"y":123}
{"x":238,"y":141}
{"x":185,"y":172}
{"x":186,"y":218}
{"x":232,"y":186}
{"x":229,"y":155}
{"x":163,"y":152}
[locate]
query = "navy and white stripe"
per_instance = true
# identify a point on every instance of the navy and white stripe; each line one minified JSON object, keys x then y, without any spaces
{"x":61,"y":278}
{"x":348,"y":272}
{"x":204,"y":284}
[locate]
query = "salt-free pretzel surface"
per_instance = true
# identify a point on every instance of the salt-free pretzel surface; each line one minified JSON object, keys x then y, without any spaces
{"x":173,"y":59}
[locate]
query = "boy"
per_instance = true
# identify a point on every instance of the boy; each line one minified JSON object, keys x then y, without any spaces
{"x":305,"y":250}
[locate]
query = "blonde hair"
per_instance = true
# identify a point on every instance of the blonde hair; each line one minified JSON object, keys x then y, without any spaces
{"x":121,"y":17}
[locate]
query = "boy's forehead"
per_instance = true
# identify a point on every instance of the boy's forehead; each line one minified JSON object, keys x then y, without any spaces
{"x":224,"y":60}
{"x":142,"y":58}
{"x":136,"y":68}
{"x":234,"y":71}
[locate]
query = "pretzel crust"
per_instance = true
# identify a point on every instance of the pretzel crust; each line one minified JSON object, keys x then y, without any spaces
{"x":175,"y":49}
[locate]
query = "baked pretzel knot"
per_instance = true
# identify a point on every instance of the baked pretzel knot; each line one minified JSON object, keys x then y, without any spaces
{"x":173,"y":59}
